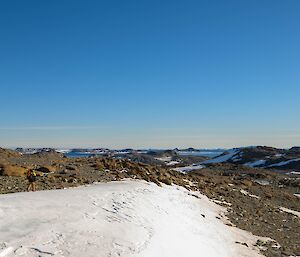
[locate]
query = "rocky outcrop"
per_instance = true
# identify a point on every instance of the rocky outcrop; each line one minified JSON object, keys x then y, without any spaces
{"x":12,"y":170}
{"x":6,"y":153}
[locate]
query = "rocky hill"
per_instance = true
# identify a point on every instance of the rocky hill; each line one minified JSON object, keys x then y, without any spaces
{"x":6,"y":153}
{"x":262,"y":157}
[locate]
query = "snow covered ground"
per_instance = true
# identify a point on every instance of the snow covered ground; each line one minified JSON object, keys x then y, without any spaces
{"x":128,"y":218}
{"x":164,"y":159}
{"x":189,"y":168}
{"x":255,"y":163}
{"x":171,"y":163}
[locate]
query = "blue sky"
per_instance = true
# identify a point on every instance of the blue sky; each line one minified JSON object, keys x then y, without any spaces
{"x":150,"y":73}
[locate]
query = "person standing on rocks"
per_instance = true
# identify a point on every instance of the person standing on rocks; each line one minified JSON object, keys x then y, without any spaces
{"x":31,"y":177}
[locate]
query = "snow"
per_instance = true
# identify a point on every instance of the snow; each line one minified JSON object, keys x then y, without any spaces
{"x":296,"y":213}
{"x":164,"y":159}
{"x":237,"y":157}
{"x":295,"y":173}
{"x":284,"y":163}
{"x":255,"y":163}
{"x":222,"y":202}
{"x":188,"y":168}
{"x":121,"y":152}
{"x":278,"y":155}
{"x":128,"y":218}
{"x":167,"y":160}
{"x":172,"y":163}
{"x":63,"y":150}
{"x":298,"y":195}
{"x":6,"y":251}
{"x":223,"y":158}
{"x":29,"y":152}
{"x":262,"y":182}
{"x":244,"y":192}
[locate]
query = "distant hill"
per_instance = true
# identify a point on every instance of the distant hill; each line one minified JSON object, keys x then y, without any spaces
{"x":261,"y":157}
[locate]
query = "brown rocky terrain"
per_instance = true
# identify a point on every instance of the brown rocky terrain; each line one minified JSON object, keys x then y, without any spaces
{"x":257,"y":200}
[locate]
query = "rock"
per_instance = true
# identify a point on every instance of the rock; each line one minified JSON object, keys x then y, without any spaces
{"x":268,"y":195}
{"x":246,"y":183}
{"x":12,"y":170}
{"x":71,"y":168}
{"x":46,"y":169}
{"x":273,"y":253}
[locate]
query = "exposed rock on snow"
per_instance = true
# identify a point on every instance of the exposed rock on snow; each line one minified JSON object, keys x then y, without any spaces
{"x":126,"y":218}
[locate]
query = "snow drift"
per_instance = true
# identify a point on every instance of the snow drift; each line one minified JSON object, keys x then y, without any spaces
{"x":128,"y":218}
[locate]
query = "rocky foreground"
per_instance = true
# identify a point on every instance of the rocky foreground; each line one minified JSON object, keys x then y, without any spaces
{"x":263,"y":202}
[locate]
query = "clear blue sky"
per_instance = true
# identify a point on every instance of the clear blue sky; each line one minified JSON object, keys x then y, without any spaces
{"x":150,"y":73}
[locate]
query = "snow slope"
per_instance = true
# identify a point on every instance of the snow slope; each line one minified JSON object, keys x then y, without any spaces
{"x":224,"y":157}
{"x":284,"y":163}
{"x":255,"y":163}
{"x":128,"y":218}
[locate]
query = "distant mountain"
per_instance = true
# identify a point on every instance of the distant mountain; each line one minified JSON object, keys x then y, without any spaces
{"x":32,"y":150}
{"x":190,"y":149}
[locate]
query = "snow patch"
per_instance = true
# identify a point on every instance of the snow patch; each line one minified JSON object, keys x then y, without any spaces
{"x":295,"y":173}
{"x":278,"y":155}
{"x":188,"y":168}
{"x":255,"y":163}
{"x":262,"y":182}
{"x":63,"y":150}
{"x":6,"y":251}
{"x":296,"y":213}
{"x":222,"y":203}
{"x":223,"y":158}
{"x":244,"y":192}
{"x":164,"y":159}
{"x":172,"y":163}
{"x":284,"y":163}
{"x":128,"y":218}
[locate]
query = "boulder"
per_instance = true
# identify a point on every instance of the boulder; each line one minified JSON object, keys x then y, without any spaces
{"x":46,"y":169}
